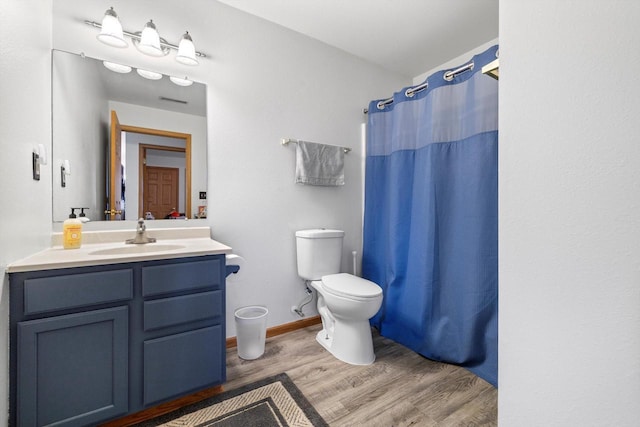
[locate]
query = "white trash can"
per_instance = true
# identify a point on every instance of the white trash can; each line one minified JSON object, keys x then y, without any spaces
{"x":251,"y":331}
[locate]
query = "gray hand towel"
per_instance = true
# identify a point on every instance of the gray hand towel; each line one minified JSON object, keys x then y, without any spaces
{"x":319,"y":164}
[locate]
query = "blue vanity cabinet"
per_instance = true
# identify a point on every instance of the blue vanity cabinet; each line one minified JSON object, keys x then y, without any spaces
{"x":184,"y":340}
{"x":93,"y":344}
{"x":74,"y":368}
{"x":69,"y":333}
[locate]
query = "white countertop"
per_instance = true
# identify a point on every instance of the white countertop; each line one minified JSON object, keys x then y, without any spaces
{"x":187,"y":241}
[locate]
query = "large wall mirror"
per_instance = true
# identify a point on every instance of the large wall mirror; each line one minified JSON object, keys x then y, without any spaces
{"x":134,"y":147}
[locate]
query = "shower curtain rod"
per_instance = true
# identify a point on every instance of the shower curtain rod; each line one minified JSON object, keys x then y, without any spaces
{"x":448,"y":76}
{"x":286,"y":141}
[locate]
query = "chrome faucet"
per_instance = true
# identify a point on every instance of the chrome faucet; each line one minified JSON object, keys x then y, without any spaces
{"x":141,"y":234}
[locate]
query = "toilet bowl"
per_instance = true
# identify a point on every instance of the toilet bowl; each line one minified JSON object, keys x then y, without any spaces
{"x":346,"y":303}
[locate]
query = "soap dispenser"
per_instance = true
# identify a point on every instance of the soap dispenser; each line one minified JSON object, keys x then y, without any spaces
{"x":72,"y":232}
{"x":83,"y":216}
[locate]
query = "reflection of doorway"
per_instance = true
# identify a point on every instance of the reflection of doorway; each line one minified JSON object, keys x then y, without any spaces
{"x":115,"y":180}
{"x":160,"y":190}
{"x":152,"y":145}
{"x":134,"y":172}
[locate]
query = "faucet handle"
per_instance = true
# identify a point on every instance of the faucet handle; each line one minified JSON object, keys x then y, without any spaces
{"x":141,"y":235}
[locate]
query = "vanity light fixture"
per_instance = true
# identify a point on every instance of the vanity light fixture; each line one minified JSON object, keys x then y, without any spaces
{"x":147,"y":41}
{"x":186,"y":51}
{"x":111,"y":30}
{"x":151,"y":75}
{"x":118,"y":68}
{"x":181,"y":82}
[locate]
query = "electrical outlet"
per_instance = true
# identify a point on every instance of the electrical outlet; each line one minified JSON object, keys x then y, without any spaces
{"x":203,"y":195}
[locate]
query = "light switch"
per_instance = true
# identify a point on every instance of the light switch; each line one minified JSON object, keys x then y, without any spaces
{"x":35,"y":160}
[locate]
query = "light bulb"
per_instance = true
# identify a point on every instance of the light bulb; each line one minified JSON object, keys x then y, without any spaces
{"x":118,"y":68}
{"x":151,"y":75}
{"x":181,"y":82}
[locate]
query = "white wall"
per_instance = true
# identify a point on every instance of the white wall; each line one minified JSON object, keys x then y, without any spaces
{"x":569,"y":213}
{"x":264,"y":83}
{"x":25,"y":120}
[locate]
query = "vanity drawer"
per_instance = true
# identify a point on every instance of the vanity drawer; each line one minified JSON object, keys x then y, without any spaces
{"x":183,"y":309}
{"x":77,"y":290}
{"x":167,"y":278}
{"x":182,"y":363}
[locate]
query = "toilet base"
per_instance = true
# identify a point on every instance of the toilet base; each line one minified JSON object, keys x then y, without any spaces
{"x":350,"y":342}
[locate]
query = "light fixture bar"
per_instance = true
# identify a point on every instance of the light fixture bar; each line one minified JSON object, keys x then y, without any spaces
{"x":137,"y":37}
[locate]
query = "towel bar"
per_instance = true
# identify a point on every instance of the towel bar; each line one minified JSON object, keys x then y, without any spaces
{"x":286,"y":141}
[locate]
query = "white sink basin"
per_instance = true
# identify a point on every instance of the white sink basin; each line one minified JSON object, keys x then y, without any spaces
{"x":137,"y":249}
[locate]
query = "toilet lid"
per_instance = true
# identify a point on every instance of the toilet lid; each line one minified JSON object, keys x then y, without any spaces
{"x":348,"y":285}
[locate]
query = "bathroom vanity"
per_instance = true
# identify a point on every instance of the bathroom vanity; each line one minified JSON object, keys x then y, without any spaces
{"x":101,"y":332}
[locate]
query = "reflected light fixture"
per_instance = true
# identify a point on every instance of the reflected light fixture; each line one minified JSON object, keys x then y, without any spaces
{"x":181,"y":82}
{"x":147,"y":41}
{"x":118,"y":68}
{"x":186,"y":51}
{"x":151,"y":75}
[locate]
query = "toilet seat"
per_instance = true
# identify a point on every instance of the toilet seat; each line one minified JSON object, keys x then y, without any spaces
{"x":350,"y":286}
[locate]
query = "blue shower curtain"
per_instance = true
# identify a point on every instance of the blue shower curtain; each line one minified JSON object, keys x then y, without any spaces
{"x":431,"y":218}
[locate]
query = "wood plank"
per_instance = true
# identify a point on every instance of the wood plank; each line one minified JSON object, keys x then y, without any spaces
{"x":164,"y":408}
{"x":400,"y":388}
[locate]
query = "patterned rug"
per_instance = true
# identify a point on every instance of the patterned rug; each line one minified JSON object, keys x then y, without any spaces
{"x":274,"y":401}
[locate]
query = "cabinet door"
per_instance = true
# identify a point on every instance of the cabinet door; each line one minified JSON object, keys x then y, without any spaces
{"x":178,"y":364}
{"x":73,"y":369}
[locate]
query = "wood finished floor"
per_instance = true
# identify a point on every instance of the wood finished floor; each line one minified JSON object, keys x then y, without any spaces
{"x":401,"y":388}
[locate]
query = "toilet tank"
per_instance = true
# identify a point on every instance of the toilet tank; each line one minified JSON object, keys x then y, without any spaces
{"x":319,"y":252}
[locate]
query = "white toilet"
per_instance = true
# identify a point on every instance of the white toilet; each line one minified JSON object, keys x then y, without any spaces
{"x":345,"y":302}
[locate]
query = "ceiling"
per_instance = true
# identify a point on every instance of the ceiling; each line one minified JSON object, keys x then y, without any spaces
{"x":409,"y":37}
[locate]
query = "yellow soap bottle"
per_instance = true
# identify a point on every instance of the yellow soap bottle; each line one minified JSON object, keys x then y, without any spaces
{"x":72,"y":232}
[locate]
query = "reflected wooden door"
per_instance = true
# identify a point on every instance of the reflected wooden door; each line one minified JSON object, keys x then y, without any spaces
{"x":160,"y":190}
{"x":114,"y":198}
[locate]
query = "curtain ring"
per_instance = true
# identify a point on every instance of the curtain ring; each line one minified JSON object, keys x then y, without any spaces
{"x":449,"y":75}
{"x":409,"y":93}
